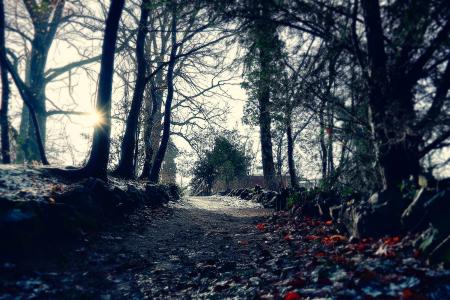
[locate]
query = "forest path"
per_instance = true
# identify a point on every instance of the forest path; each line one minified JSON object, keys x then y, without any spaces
{"x":194,"y":248}
{"x":224,"y":248}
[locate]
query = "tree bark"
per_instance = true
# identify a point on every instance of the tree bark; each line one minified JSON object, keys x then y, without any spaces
{"x":290,"y":155}
{"x":152,"y":109}
{"x":4,"y":124}
{"x":264,"y":35}
{"x":330,"y":126}
{"x":28,"y":99}
{"x":125,"y":168}
{"x":159,"y":157}
{"x":390,"y":106}
{"x":323,"y":147}
{"x":45,"y":26}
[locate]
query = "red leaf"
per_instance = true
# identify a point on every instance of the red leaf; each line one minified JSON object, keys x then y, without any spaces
{"x":409,"y":294}
{"x":292,"y":296}
{"x":330,"y":240}
{"x":261,"y":226}
{"x":312,"y":237}
{"x":361,"y":246}
{"x":392,"y":240}
{"x":330,"y":222}
{"x":288,"y":237}
{"x":297,"y":283}
{"x":320,"y":254}
{"x":339,"y":259}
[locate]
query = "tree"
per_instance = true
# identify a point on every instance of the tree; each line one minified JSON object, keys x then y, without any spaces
{"x":159,"y":157}
{"x":46,"y":17}
{"x":394,"y":77}
{"x":224,"y":162}
{"x":265,"y":50}
{"x":125,"y":167}
{"x":97,"y":163}
{"x":169,"y":167}
{"x":4,"y":124}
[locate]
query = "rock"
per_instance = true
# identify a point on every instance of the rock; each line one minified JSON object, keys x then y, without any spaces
{"x":310,"y":209}
{"x":441,"y":252}
{"x":414,"y":217}
{"x":429,"y":240}
{"x":268,"y":199}
{"x":156,"y":195}
{"x":244,"y":194}
{"x":437,"y":209}
{"x":335,"y":212}
{"x":323,"y":206}
{"x":378,"y":216}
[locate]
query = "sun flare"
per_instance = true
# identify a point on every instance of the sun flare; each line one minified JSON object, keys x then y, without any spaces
{"x":93,"y":119}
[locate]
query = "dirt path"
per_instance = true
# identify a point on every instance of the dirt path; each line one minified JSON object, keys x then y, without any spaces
{"x":210,"y":248}
{"x":192,"y":249}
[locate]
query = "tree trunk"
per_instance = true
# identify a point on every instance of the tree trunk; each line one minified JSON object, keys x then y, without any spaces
{"x":6,"y":155}
{"x":323,"y":148}
{"x":125,"y":168}
{"x":390,"y":104}
{"x":266,"y":142}
{"x":152,"y":111}
{"x":99,"y":157}
{"x":29,"y":100}
{"x":279,"y":163}
{"x":290,"y":155}
{"x":45,"y":27}
{"x":159,"y":157}
{"x":265,"y":119}
{"x":38,"y":61}
{"x":330,"y":127}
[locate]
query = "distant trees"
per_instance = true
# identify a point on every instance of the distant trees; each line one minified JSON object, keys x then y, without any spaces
{"x":261,"y":65}
{"x":225,"y":161}
{"x":374,"y":78}
{"x":161,"y":152}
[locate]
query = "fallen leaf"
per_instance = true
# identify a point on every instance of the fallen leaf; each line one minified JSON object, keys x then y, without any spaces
{"x":409,"y":294}
{"x":288,"y":237}
{"x":261,"y":226}
{"x":392,"y":240}
{"x":297,"y":282}
{"x":320,"y":254}
{"x":312,"y":237}
{"x":330,"y":240}
{"x":292,"y":296}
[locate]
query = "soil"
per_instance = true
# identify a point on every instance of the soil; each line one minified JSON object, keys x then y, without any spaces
{"x":223,"y":248}
{"x":171,"y":252}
